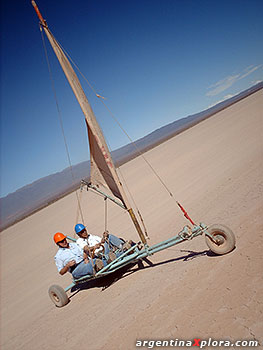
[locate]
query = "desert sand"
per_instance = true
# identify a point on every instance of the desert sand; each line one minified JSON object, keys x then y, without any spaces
{"x":215,"y":170}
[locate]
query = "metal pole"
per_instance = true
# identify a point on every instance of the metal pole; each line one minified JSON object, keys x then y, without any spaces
{"x":38,"y":13}
{"x":137,"y":226}
{"x":89,"y":116}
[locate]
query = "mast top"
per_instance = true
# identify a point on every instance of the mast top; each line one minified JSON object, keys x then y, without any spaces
{"x":42,"y":21}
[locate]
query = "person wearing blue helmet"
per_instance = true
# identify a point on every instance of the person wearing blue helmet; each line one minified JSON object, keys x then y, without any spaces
{"x":95,"y":246}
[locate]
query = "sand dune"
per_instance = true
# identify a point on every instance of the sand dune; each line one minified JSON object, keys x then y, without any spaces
{"x":215,"y":170}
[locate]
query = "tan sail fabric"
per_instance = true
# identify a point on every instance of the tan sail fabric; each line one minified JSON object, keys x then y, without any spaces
{"x":102,"y":168}
{"x":102,"y":165}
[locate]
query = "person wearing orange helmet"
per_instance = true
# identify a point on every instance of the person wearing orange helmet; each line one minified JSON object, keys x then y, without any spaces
{"x":71,"y":258}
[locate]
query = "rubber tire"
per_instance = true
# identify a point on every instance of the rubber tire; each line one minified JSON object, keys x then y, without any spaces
{"x":58,"y":295}
{"x":224,"y":232}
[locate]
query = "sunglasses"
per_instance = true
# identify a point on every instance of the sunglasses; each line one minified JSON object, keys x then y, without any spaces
{"x":63,"y":241}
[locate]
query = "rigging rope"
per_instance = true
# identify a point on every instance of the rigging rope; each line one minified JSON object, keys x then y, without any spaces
{"x":61,"y":122}
{"x":132,"y":142}
{"x":106,"y":213}
{"x":115,"y":119}
{"x":134,"y":203}
{"x":79,"y":211}
{"x":118,"y":123}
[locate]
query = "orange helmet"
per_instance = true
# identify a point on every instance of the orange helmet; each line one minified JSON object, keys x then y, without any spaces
{"x":58,"y":237}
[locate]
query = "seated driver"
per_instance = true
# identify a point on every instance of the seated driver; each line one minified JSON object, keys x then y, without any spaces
{"x":71,"y":258}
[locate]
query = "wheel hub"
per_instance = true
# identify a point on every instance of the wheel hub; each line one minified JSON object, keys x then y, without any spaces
{"x":219,"y":239}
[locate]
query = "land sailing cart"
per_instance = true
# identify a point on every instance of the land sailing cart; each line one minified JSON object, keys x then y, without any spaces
{"x":219,"y":238}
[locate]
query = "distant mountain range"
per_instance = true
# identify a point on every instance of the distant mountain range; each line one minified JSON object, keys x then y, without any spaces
{"x":30,"y":198}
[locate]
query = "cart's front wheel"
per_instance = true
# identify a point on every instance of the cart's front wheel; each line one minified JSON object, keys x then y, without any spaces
{"x":58,"y":295}
{"x":223,"y":239}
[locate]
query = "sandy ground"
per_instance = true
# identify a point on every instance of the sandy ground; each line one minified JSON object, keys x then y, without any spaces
{"x":215,"y":170}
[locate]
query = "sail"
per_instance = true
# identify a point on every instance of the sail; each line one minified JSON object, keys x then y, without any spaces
{"x":103,"y":171}
{"x":102,"y":167}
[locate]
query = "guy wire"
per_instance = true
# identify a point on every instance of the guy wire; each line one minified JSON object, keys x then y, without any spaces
{"x":60,"y":120}
{"x":120,"y":126}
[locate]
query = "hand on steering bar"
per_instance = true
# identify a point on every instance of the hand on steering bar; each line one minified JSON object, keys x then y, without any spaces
{"x":105,"y":235}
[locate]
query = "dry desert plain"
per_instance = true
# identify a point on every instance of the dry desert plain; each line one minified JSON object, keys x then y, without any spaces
{"x":215,"y":169}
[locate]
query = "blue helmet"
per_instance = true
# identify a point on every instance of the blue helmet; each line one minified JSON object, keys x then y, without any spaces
{"x":79,"y":228}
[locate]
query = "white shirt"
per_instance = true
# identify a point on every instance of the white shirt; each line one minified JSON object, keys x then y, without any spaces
{"x":64,"y":255}
{"x":90,"y":241}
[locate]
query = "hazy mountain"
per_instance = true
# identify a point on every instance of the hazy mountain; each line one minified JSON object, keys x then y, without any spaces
{"x":44,"y":191}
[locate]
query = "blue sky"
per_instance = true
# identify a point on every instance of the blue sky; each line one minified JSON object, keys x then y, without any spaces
{"x":154,"y":61}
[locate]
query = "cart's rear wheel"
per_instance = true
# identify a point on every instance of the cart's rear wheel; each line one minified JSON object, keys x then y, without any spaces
{"x":58,"y":295}
{"x":224,"y":239}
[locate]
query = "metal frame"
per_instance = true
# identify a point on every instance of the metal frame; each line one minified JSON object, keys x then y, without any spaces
{"x":135,"y":253}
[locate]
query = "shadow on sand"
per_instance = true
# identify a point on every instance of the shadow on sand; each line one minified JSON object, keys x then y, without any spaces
{"x":106,"y":281}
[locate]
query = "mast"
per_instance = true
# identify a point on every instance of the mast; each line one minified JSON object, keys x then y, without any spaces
{"x":94,"y":131}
